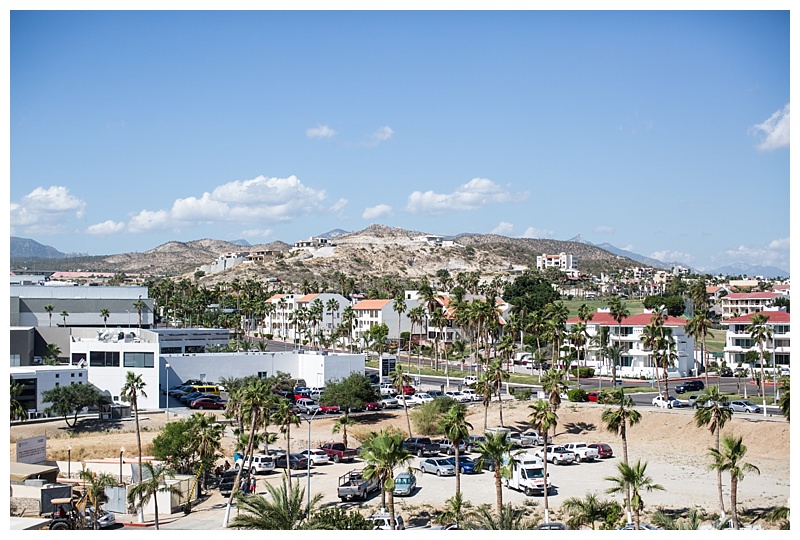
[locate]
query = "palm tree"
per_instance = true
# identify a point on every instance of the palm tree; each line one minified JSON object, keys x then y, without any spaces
{"x":130,"y":392}
{"x":383,"y":452}
{"x":619,"y":311}
{"x":285,"y":417}
{"x":399,"y":305}
{"x":508,"y":518}
{"x":285,"y":510}
{"x":18,"y":410}
{"x":439,"y":320}
{"x":730,"y":458}
{"x":783,"y":401}
{"x":456,"y":510}
{"x":417,"y":316}
{"x":556,"y":314}
{"x":149,"y":487}
{"x":206,"y":438}
{"x":542,"y":416}
{"x":635,"y":479}
{"x":96,"y":484}
{"x":713,"y":412}
{"x":456,"y":428}
{"x":618,"y":420}
{"x":497,"y":375}
{"x":497,"y":449}
{"x":64,"y":314}
{"x":585,"y":511}
{"x":105,"y":313}
{"x":49,"y":309}
{"x":699,"y":328}
{"x":332,"y":307}
{"x":485,"y":387}
{"x":348,"y":319}
{"x":401,"y":379}
{"x":139,"y":306}
{"x":760,"y":333}
{"x":341,"y":425}
{"x":554,"y":384}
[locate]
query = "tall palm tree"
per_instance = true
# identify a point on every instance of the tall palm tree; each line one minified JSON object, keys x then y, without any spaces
{"x":456,"y":510}
{"x":285,"y":511}
{"x":585,"y":314}
{"x":542,"y":416}
{"x":760,"y":333}
{"x":285,"y":417}
{"x":784,"y":401}
{"x":105,"y":314}
{"x":139,"y":306}
{"x":554,"y":384}
{"x":508,"y":518}
{"x":417,"y":316}
{"x":64,"y":314}
{"x":49,"y":309}
{"x":497,"y":375}
{"x":713,"y":412}
{"x":400,"y":379}
{"x":585,"y":511}
{"x":331,"y":308}
{"x":141,"y":493}
{"x":399,"y":305}
{"x":456,"y":428}
{"x":618,"y":419}
{"x":130,"y":392}
{"x":18,"y":410}
{"x":95,"y":485}
{"x":497,"y":449}
{"x":619,"y":311}
{"x":556,"y":314}
{"x":485,"y":387}
{"x":731,"y":458}
{"x":439,"y":320}
{"x":383,"y":452}
{"x":341,"y":425}
{"x":699,"y":328}
{"x":206,"y":436}
{"x":635,"y":479}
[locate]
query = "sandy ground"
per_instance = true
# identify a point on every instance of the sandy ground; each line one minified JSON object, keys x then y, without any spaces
{"x":674,"y":448}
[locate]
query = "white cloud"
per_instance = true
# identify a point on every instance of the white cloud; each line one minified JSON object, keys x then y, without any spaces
{"x":106,"y":228}
{"x":338,"y":205}
{"x":46,"y":210}
{"x":258,"y":233}
{"x":672,"y":256}
{"x":377,"y":211}
{"x":629,"y":247}
{"x":146,"y":221}
{"x":384,"y":133}
{"x":775,"y":253}
{"x":503,"y":228}
{"x":322,"y":131}
{"x":257,"y":201}
{"x":779,"y":244}
{"x":532,"y":232}
{"x":475,"y":194}
{"x":774,"y":130}
{"x":604,"y":229}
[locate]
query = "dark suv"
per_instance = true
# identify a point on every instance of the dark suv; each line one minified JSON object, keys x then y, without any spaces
{"x":689,"y":386}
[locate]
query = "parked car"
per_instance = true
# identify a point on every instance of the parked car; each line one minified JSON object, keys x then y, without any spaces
{"x":557,"y":455}
{"x":408,"y":400}
{"x":409,"y":390}
{"x":353,"y":485}
{"x":691,"y":401}
{"x":469,"y":380}
{"x":206,"y":403}
{"x":227,"y":480}
{"x":329,"y":409}
{"x":458,"y":396}
{"x":472,"y":394}
{"x":388,"y":402}
{"x":466,"y":464}
{"x":404,"y":484}
{"x":259,"y":463}
{"x":435,"y":393}
{"x":387,"y":389}
{"x":582,"y":451}
{"x":438,"y":466}
{"x":592,"y":396}
{"x":742,"y":405}
{"x":669,"y":403}
{"x":371,"y":406}
{"x":188,"y":397}
{"x":533,"y":438}
{"x":339,"y":452}
{"x":307,"y":406}
{"x":424,"y":396}
{"x":104,"y":518}
{"x":317,"y":456}
{"x":689,"y":386}
{"x":181,"y":390}
{"x":446,"y":446}
{"x":296,"y":461}
{"x":421,"y":446}
{"x":725,"y":372}
{"x":603,"y":450}
{"x":552,"y":526}
{"x":382,"y":521}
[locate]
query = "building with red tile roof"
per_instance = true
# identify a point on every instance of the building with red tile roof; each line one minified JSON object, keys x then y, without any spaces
{"x":738,"y":340}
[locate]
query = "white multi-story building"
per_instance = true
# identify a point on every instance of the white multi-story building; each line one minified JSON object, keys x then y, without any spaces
{"x":371,"y":313}
{"x":738,"y":304}
{"x":635,"y":360}
{"x":226,"y":262}
{"x":37,"y":379}
{"x":563,"y":261}
{"x":738,"y":341}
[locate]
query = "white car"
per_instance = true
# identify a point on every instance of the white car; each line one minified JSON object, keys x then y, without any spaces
{"x":469,"y":380}
{"x":669,"y":403}
{"x":557,"y":455}
{"x":107,"y":519}
{"x":317,"y":456}
{"x":409,"y":401}
{"x":425,"y":397}
{"x":458,"y":396}
{"x":472,"y":394}
{"x":388,"y":402}
{"x":259,"y":463}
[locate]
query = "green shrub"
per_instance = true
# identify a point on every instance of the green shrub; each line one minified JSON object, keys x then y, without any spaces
{"x":268,"y":336}
{"x":522,"y":394}
{"x":426,"y":418}
{"x":585,"y":372}
{"x":577,"y":394}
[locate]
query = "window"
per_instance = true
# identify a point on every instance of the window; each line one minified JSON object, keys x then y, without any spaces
{"x":104,"y":358}
{"x":171,"y":350}
{"x":139,"y":359}
{"x":77,"y":358}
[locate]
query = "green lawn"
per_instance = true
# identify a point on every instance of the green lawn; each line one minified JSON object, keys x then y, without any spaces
{"x":634,"y":306}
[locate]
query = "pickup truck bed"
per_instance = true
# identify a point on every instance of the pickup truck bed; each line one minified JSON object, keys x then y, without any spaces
{"x":352,"y":485}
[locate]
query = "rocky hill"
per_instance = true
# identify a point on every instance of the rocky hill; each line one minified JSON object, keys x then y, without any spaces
{"x":373,"y":252}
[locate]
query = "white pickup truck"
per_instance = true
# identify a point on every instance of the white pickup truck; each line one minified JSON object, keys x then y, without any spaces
{"x":582,"y":451}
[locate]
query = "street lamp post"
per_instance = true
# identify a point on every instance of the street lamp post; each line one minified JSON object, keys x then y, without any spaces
{"x":69,"y":459}
{"x":121,"y":451}
{"x":308,"y":465}
{"x":167,"y":394}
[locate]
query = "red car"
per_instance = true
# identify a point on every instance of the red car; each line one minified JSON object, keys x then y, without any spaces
{"x":592,"y":396}
{"x":371,"y":406}
{"x":206,"y":403}
{"x":603,"y":449}
{"x":409,"y":391}
{"x":329,"y":409}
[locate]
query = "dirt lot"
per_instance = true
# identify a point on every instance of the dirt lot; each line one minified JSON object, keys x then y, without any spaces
{"x":668,"y":440}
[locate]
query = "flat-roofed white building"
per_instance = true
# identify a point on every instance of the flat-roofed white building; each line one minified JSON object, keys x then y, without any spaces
{"x":37,"y":379}
{"x":738,"y":304}
{"x":738,"y":341}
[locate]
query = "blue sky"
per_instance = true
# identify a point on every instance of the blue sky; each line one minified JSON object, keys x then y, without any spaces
{"x":665,"y":133}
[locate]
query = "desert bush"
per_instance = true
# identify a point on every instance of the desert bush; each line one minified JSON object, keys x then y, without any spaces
{"x":577,"y":394}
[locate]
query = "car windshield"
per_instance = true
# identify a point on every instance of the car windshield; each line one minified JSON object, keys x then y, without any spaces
{"x":534,"y":473}
{"x":748,"y":403}
{"x":402,"y":480}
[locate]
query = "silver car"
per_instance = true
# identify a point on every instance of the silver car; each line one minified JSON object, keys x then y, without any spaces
{"x":404,"y":484}
{"x":742,"y":405}
{"x":438,"y":466}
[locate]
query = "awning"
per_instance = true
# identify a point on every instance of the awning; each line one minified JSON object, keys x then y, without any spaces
{"x":23,"y":471}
